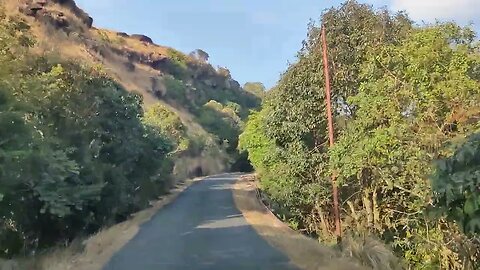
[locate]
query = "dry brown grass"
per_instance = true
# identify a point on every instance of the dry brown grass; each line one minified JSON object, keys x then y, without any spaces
{"x":133,"y":44}
{"x":371,"y":252}
{"x":306,"y":253}
{"x":73,"y":47}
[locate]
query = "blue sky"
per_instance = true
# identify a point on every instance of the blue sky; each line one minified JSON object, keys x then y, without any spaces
{"x":254,"y":39}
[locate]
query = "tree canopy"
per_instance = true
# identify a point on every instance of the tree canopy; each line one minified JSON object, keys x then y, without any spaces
{"x":402,"y":94}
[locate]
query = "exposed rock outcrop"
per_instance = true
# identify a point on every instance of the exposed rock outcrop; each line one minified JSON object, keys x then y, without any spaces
{"x":198,"y":72}
{"x":82,"y":15}
{"x":39,"y":9}
{"x":122,"y":34}
{"x":142,"y":38}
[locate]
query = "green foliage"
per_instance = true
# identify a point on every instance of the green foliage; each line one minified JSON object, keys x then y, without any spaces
{"x":176,"y":90}
{"x":179,"y":63}
{"x":256,"y":142}
{"x":167,"y":123}
{"x":219,"y":111}
{"x":401,"y":94}
{"x":178,"y":57}
{"x":218,"y":102}
{"x":103,"y":35}
{"x":407,"y":107}
{"x":353,"y":29}
{"x":221,"y":121}
{"x":455,"y":186}
{"x":256,"y":88}
{"x":74,"y":153}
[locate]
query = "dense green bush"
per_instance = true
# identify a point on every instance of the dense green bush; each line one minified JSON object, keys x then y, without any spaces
{"x":256,"y":88}
{"x":401,"y":94}
{"x":74,"y":153}
{"x":168,"y":124}
{"x":456,"y":186}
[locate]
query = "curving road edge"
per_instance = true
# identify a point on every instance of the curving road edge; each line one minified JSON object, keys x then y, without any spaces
{"x":100,"y":247}
{"x":304,"y":252}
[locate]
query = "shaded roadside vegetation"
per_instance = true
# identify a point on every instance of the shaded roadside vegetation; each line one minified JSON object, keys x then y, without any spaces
{"x":78,"y":152}
{"x":74,"y":153}
{"x":405,"y":97}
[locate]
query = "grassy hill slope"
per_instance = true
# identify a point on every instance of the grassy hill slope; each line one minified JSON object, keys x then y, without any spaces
{"x":209,"y":102}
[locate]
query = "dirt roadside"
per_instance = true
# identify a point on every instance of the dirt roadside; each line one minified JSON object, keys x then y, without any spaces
{"x":304,"y":252}
{"x":99,"y":248}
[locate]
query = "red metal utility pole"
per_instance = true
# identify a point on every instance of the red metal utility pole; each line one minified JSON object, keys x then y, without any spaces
{"x":336,"y":210}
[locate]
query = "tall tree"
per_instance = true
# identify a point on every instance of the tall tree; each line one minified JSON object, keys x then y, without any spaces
{"x":256,"y":88}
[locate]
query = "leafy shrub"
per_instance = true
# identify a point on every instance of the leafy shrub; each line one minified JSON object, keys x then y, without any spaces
{"x":168,"y":124}
{"x":176,"y":90}
{"x":179,"y":64}
{"x":456,"y":185}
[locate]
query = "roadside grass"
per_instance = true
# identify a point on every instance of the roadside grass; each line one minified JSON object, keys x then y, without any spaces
{"x":305,"y":252}
{"x":92,"y":253}
{"x":370,"y":252}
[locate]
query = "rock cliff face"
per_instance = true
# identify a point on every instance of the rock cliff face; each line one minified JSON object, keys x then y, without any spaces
{"x":142,"y":38}
{"x":40,"y":9}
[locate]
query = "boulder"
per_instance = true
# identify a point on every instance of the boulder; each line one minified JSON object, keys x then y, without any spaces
{"x":122,"y":34}
{"x":161,"y":63}
{"x":142,"y":38}
{"x":35,"y":6}
{"x":82,"y":15}
{"x":88,"y":21}
{"x":234,"y":84}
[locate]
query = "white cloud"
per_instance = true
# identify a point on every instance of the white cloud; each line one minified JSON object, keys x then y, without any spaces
{"x":462,"y":11}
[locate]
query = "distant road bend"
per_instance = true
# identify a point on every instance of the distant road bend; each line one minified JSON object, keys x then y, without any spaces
{"x":201,"y":229}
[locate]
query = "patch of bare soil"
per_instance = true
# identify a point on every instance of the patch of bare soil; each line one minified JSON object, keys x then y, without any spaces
{"x":304,"y":252}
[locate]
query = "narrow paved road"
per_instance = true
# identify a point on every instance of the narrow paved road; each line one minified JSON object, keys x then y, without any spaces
{"x":201,"y":229}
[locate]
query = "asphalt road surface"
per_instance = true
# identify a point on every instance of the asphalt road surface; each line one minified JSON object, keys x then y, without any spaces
{"x":201,"y":229}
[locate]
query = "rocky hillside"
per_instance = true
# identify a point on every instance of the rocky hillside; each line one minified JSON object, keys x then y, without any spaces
{"x":209,"y":102}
